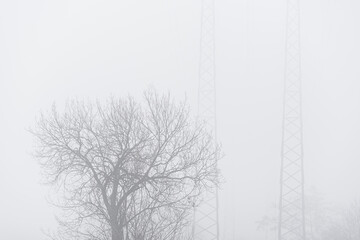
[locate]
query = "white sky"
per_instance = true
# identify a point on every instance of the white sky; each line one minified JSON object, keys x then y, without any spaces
{"x":52,"y":50}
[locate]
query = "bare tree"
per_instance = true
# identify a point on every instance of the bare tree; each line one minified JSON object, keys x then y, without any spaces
{"x":125,"y":170}
{"x":352,"y":221}
{"x":340,"y":225}
{"x":318,"y":218}
{"x":267,"y":224}
{"x":347,"y":227}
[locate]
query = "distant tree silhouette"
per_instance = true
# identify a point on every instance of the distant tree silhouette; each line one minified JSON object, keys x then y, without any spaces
{"x":347,"y":226}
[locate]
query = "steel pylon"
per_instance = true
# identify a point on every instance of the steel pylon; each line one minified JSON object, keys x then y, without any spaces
{"x":206,"y":225}
{"x":292,"y":211}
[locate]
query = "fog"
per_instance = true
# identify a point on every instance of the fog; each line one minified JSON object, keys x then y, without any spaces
{"x":52,"y":51}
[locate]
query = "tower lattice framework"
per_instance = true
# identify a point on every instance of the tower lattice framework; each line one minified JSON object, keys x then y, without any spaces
{"x":206,"y":225}
{"x":292,"y":212}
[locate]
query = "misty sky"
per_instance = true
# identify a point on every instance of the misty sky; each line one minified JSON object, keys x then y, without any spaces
{"x":51,"y":51}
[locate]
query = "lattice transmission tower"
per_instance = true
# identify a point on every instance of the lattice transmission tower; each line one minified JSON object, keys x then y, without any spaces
{"x":292,"y":212}
{"x":206,"y":225}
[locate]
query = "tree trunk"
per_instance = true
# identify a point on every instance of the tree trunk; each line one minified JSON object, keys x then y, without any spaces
{"x":117,"y":233}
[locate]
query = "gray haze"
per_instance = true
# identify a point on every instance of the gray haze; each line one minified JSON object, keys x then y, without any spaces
{"x":51,"y":51}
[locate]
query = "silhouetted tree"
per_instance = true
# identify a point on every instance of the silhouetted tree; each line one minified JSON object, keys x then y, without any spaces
{"x":347,"y":226}
{"x":317,"y":218}
{"x":125,"y":170}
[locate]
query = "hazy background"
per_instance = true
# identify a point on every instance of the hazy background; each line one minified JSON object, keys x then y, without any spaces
{"x":55,"y":50}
